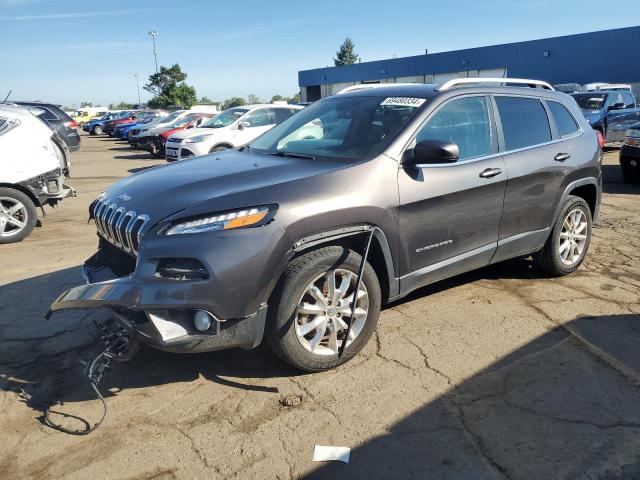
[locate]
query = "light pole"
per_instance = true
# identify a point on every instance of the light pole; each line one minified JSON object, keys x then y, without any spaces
{"x":153,"y":34}
{"x":138,"y":85}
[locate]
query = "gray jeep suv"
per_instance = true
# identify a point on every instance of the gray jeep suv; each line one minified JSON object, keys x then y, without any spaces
{"x":222,"y":250}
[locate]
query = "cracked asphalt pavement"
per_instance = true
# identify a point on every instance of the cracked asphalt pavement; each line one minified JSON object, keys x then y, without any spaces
{"x":497,"y":374}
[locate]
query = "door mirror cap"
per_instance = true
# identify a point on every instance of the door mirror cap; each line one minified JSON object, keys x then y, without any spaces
{"x":243,"y":125}
{"x":433,"y":151}
{"x":616,"y":106}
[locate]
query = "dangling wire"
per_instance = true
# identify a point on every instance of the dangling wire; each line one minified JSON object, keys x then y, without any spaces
{"x":363,"y":262}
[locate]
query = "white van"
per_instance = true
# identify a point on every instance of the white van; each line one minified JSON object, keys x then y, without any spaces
{"x":33,"y":167}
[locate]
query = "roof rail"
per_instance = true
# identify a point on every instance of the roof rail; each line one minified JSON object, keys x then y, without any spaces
{"x":521,"y":81}
{"x":365,"y":86}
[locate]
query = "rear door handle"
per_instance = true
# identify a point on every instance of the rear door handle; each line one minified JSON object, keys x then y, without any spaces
{"x":561,"y":157}
{"x":490,"y":172}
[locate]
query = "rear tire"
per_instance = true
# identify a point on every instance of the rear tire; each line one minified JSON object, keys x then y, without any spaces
{"x":15,"y":207}
{"x":569,"y":239}
{"x":295,"y":304}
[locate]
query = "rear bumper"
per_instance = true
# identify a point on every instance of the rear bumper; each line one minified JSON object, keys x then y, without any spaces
{"x":164,"y":322}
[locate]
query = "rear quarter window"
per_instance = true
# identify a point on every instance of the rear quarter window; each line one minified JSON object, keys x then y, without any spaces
{"x":48,"y":114}
{"x":565,"y":122}
{"x":524,"y":122}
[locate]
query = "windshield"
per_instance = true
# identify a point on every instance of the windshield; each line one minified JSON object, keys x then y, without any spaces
{"x":590,"y":101}
{"x":184,"y":121}
{"x":348,"y":128}
{"x":225,"y":118}
{"x":171,"y":117}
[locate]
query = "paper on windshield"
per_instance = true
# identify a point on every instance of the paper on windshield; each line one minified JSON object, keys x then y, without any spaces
{"x":404,"y":101}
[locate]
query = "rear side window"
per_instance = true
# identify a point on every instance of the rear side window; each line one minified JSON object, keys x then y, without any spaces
{"x":260,"y":118}
{"x":464,"y":122}
{"x":564,"y":120}
{"x":524,"y":122}
{"x":48,"y":114}
{"x":627,"y":98}
{"x":281,"y":114}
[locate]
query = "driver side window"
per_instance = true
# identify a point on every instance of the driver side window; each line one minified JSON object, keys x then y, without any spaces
{"x":260,"y":118}
{"x":464,"y":122}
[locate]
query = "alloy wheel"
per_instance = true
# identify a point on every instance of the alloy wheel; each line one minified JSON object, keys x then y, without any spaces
{"x":325,"y":308}
{"x":573,"y":237}
{"x":13,"y":217}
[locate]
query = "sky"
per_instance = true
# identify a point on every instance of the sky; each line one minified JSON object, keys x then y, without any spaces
{"x":69,"y":51}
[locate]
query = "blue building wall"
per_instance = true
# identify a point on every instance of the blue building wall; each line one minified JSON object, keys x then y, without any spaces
{"x":605,"y":56}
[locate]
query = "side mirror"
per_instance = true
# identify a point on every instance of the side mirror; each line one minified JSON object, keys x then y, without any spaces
{"x":616,"y":106}
{"x":431,"y":152}
{"x":243,"y":125}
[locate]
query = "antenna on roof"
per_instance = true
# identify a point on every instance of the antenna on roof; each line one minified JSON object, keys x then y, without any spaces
{"x":5,"y":98}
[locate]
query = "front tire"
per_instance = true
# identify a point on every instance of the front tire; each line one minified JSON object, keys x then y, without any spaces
{"x":18,"y":216}
{"x":307,"y":315}
{"x":569,"y":240}
{"x":97,"y":130}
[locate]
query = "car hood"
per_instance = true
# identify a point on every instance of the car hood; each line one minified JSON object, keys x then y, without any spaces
{"x":167,"y":189}
{"x":194,"y":132}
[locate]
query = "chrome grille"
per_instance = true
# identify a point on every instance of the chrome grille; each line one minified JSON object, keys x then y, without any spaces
{"x":118,"y":226}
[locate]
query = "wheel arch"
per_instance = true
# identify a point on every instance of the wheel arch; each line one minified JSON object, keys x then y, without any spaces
{"x":589,"y":193}
{"x":586,"y":188}
{"x":24,"y":190}
{"x":221,"y":144}
{"x":353,"y":238}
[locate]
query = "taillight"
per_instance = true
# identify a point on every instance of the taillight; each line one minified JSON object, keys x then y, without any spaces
{"x":71,"y":124}
{"x":600,"y":138}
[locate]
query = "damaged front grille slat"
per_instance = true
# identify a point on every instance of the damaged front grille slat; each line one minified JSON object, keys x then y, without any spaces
{"x":119,"y":227}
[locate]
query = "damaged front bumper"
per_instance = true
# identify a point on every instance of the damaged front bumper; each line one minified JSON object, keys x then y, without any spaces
{"x":49,"y":188}
{"x":159,"y":312}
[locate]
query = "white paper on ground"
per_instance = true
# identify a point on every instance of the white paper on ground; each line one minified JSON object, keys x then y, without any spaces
{"x":325,"y":454}
{"x":168,"y":330}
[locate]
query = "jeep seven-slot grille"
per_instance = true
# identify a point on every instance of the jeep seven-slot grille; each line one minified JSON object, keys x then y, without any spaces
{"x":123,"y":228}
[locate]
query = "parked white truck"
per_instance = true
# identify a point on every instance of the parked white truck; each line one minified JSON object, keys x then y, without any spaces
{"x":33,"y":167}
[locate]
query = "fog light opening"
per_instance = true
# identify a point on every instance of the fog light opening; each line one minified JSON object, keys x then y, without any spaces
{"x":202,"y":320}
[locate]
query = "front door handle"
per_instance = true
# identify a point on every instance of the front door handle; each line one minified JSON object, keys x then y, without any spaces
{"x":490,"y":172}
{"x":561,"y":157}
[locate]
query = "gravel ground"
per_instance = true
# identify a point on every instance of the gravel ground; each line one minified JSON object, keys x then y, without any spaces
{"x":500,"y":373}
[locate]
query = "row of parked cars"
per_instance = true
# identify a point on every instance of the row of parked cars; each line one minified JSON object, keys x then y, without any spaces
{"x":191,"y":133}
{"x":614,"y":112}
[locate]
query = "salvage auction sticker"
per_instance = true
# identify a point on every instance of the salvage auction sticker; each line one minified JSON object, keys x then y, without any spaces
{"x":404,"y":101}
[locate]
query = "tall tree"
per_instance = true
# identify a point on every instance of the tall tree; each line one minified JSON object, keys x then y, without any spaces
{"x":170,"y":89}
{"x":234,"y":102}
{"x":121,"y":106}
{"x":277,"y":98}
{"x":253,"y":99}
{"x":346,"y":55}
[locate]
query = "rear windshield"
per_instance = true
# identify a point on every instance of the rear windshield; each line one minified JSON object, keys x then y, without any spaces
{"x":590,"y":101}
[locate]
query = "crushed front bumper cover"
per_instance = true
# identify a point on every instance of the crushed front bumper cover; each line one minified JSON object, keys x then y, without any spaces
{"x":49,"y":188}
{"x":158,"y":320}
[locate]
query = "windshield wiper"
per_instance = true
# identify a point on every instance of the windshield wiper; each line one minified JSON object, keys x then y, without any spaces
{"x":293,"y":155}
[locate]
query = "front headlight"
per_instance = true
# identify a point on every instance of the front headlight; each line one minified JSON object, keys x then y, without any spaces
{"x":250,"y":217}
{"x":198,"y":139}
